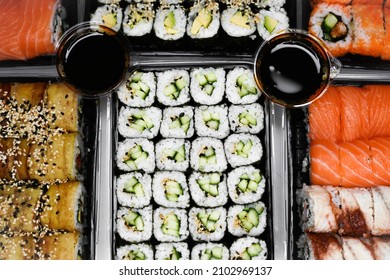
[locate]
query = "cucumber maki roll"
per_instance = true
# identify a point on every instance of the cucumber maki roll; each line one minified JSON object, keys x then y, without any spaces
{"x":172,"y":251}
{"x":245,"y":184}
{"x":207,"y":155}
{"x":139,"y":90}
{"x":170,"y":22}
{"x":203,"y":20}
{"x":173,"y":154}
{"x":241,"y":87}
{"x":238,"y":22}
{"x":134,"y":189}
{"x":246,"y":118}
{"x":170,"y":189}
{"x":247,"y":219}
{"x":134,"y":225}
{"x":143,"y":123}
{"x":138,"y":20}
{"x":136,"y":154}
{"x":248,"y":248}
{"x":173,"y":87}
{"x":170,"y":224}
{"x":210,"y":251}
{"x":212,"y":121}
{"x":243,"y":149}
{"x":271,"y":22}
{"x":109,"y":16}
{"x":208,"y":189}
{"x":177,"y":122}
{"x":207,"y":224}
{"x":135,"y":252}
{"x":207,"y":85}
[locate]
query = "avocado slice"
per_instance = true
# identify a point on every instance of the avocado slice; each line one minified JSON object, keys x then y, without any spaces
{"x":170,"y":21}
{"x":329,"y":22}
{"x":270,"y":23}
{"x":109,"y":20}
{"x":196,"y":25}
{"x":241,"y":19}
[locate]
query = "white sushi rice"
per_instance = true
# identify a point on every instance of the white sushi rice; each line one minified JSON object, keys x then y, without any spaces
{"x":232,"y":88}
{"x":130,"y":233}
{"x":128,"y":97}
{"x":123,"y":251}
{"x":199,"y":232}
{"x":160,"y":215}
{"x":159,"y":189}
{"x":142,"y":27}
{"x":241,"y":244}
{"x":130,"y":199}
{"x":197,"y":148}
{"x":234,"y":225}
{"x":204,"y":199}
{"x":269,"y":3}
{"x":254,"y":155}
{"x":201,"y":127}
{"x":199,"y":250}
{"x":164,"y":79}
{"x":234,"y":30}
{"x":102,"y":11}
{"x":148,"y":165}
{"x":173,"y":113}
{"x":109,"y":1}
{"x":279,"y":15}
{"x":164,"y":251}
{"x":212,"y":28}
{"x":179,"y":27}
{"x":163,"y":159}
{"x":235,"y":194}
{"x":126,"y":119}
{"x":255,"y":110}
{"x":198,"y":93}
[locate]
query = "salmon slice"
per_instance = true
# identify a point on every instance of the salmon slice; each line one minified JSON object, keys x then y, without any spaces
{"x":381,"y":198}
{"x":379,"y":110}
{"x":376,"y":2}
{"x":324,"y":162}
{"x":345,"y":2}
{"x":386,"y":39}
{"x":380,"y":154}
{"x":357,"y":249}
{"x":325,"y":117}
{"x":355,"y":164}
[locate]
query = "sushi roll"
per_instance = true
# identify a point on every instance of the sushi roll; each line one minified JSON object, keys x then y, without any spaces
{"x":238,"y":22}
{"x":136,"y":154}
{"x":207,"y":155}
{"x":139,"y":123}
{"x":333,"y":24}
{"x":177,"y":122}
{"x":320,"y":246}
{"x":134,"y":189}
{"x":134,"y":224}
{"x":170,"y":23}
{"x":172,"y":251}
{"x":210,"y":251}
{"x":170,"y":189}
{"x":249,"y":219}
{"x":17,"y":247}
{"x":207,"y":85}
{"x":139,"y":90}
{"x":245,"y":184}
{"x":243,"y":149}
{"x":248,"y":248}
{"x":109,"y":16}
{"x":60,"y":246}
{"x":207,"y":224}
{"x":241,"y":87}
{"x":173,"y":154}
{"x":135,"y":252}
{"x":212,"y":121}
{"x":271,"y":21}
{"x":203,"y":20}
{"x":208,"y":189}
{"x":138,"y":20}
{"x":268,"y":3}
{"x":246,"y":118}
{"x":173,"y":87}
{"x":170,"y":224}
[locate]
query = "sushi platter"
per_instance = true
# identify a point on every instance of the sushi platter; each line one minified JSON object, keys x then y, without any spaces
{"x":191,"y":161}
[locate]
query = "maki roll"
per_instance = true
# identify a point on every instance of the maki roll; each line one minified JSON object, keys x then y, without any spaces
{"x":210,"y":251}
{"x":269,"y":3}
{"x":172,"y":251}
{"x":248,"y":248}
{"x":142,"y":123}
{"x":245,"y":184}
{"x":170,"y":189}
{"x":170,"y":23}
{"x":173,"y":87}
{"x":135,"y":252}
{"x":138,"y":20}
{"x":109,"y":16}
{"x":271,"y":21}
{"x":212,"y":121}
{"x":207,"y":155}
{"x":17,"y":247}
{"x":203,"y":20}
{"x":246,"y":118}
{"x":173,"y":154}
{"x":139,"y":90}
{"x":320,"y":246}
{"x":134,"y":225}
{"x":136,"y":154}
{"x":170,"y":225}
{"x":243,"y":149}
{"x":208,"y":189}
{"x":207,"y":85}
{"x":247,"y":219}
{"x":134,"y":189}
{"x":60,"y":246}
{"x":238,"y":22}
{"x":207,"y":224}
{"x":241,"y":87}
{"x":177,"y":122}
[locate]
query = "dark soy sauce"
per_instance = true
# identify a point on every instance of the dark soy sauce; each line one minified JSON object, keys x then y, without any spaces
{"x":95,"y":63}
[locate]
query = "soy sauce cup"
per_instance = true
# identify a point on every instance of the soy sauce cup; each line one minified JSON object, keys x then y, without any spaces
{"x":294,"y":68}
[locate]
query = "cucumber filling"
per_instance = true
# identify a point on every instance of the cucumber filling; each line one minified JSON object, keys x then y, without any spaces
{"x":173,"y":190}
{"x":135,"y":156}
{"x":243,"y":149}
{"x":208,"y":183}
{"x":248,"y":218}
{"x":243,"y":86}
{"x":134,"y":220}
{"x":247,"y":119}
{"x":175,"y":255}
{"x":173,"y":90}
{"x":136,"y":255}
{"x":250,"y":252}
{"x":136,"y":87}
{"x":334,"y":28}
{"x":212,"y":254}
{"x":133,"y":186}
{"x":182,"y":121}
{"x":208,"y":221}
{"x":207,"y":82}
{"x":211,"y":120}
{"x":177,"y":156}
{"x":140,"y":121}
{"x":248,"y":183}
{"x":207,"y":156}
{"x":171,"y":225}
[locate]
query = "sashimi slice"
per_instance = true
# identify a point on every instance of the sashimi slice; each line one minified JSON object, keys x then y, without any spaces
{"x":386,"y":43}
{"x":356,"y":249}
{"x":381,"y":198}
{"x":380,"y":154}
{"x":379,"y":109}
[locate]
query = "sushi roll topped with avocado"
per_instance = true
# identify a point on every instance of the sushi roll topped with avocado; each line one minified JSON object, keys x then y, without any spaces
{"x":170,"y":23}
{"x":138,"y":19}
{"x":203,"y":19}
{"x":238,"y":22}
{"x":109,"y":16}
{"x":271,"y":22}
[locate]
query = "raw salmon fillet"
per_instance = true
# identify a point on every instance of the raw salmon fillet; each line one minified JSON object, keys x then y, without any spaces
{"x":380,"y":154}
{"x":379,"y":110}
{"x":386,"y":47}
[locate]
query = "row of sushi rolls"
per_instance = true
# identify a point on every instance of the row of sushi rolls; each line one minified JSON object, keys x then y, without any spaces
{"x":198,"y":19}
{"x":188,"y":177}
{"x":42,"y":195}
